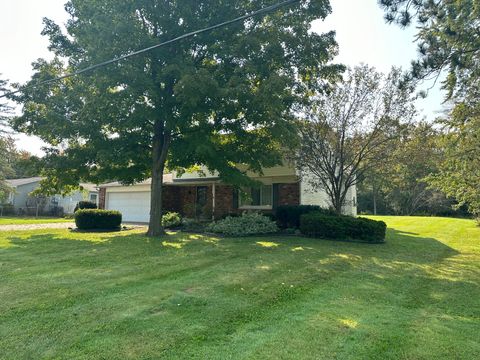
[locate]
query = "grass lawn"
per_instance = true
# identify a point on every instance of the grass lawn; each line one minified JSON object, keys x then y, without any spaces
{"x":31,"y":220}
{"x":123,"y":296}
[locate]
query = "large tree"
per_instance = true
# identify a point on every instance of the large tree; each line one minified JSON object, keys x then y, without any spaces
{"x":218,"y":99}
{"x":448,"y":40}
{"x":459,"y":172}
{"x":400,"y":186}
{"x":348,"y":129}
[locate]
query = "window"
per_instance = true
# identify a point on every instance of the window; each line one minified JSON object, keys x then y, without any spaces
{"x":93,"y":198}
{"x":261,"y":197}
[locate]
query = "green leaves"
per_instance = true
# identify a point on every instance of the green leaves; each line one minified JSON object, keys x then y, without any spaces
{"x":220,"y":98}
{"x":448,"y":40}
{"x":459,"y":173}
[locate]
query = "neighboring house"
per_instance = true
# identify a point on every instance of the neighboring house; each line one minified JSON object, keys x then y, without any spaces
{"x":205,"y":196}
{"x":24,"y":203}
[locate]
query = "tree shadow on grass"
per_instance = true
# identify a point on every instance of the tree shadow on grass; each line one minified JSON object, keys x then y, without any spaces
{"x":268,"y":279}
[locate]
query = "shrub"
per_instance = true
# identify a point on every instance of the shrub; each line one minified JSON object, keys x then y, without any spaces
{"x":85,"y":205}
{"x":94,"y":219}
{"x":7,"y":209}
{"x":342,"y":227}
{"x":288,"y":216}
{"x":193,"y":225}
{"x":245,"y":225}
{"x":171,"y":220}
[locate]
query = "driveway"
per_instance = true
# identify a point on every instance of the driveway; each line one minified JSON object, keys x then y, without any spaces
{"x":37,"y":226}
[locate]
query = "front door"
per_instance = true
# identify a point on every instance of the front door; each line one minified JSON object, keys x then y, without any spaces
{"x":201,"y":202}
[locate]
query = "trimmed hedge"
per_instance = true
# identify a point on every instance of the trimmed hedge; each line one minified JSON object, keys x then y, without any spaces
{"x":288,"y":216}
{"x":85,"y":205}
{"x":342,"y":227}
{"x":94,"y":219}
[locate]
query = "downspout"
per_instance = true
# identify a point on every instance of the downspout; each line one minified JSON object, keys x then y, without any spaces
{"x":213,"y":201}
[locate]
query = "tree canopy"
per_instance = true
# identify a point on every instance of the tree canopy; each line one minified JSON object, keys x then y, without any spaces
{"x":217,"y":99}
{"x":448,"y":39}
{"x":459,"y":172}
{"x":347,"y":130}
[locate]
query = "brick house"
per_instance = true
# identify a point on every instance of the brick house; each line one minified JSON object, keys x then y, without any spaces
{"x":206,"y":197}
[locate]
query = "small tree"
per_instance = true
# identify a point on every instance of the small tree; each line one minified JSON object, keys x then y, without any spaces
{"x":347,"y":129}
{"x":6,"y":169}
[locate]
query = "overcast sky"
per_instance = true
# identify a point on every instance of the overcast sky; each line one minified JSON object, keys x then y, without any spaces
{"x":362,"y":35}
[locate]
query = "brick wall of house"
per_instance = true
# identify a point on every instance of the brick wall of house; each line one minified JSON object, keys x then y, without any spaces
{"x":289,"y":194}
{"x":224,"y":201}
{"x":102,"y":192}
{"x":182,"y":199}
{"x":170,"y":199}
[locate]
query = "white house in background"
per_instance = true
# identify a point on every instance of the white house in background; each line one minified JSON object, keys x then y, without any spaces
{"x":24,"y":203}
{"x":202,"y":194}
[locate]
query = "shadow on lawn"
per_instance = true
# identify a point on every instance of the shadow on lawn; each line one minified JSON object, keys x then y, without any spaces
{"x":401,"y":248}
{"x":273,"y":277}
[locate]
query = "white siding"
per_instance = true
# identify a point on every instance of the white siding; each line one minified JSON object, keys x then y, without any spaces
{"x":311,"y":196}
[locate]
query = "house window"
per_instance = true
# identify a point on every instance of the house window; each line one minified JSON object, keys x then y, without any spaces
{"x":257,"y":197}
{"x":93,"y":198}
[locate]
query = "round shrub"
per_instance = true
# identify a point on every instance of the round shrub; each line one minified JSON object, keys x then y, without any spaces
{"x":85,"y":205}
{"x":247,"y":224}
{"x":342,"y":227}
{"x":171,"y":220}
{"x":288,"y":216}
{"x":95,"y":219}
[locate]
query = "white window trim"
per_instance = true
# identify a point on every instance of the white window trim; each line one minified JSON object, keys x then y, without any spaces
{"x":256,"y":207}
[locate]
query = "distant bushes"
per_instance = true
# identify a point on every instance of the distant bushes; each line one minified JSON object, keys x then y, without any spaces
{"x":342,"y":227}
{"x":85,"y":205}
{"x":244,"y":225}
{"x":288,"y":216}
{"x":94,"y":219}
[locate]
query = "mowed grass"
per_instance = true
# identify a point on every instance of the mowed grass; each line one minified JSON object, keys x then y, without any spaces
{"x":124,"y":296}
{"x":31,"y":220}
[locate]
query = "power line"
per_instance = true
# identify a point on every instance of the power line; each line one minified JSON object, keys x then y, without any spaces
{"x":138,"y":52}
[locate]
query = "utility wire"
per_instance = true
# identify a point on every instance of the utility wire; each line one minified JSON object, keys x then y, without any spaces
{"x":190,"y":34}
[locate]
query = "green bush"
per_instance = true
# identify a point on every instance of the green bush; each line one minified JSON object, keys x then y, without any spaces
{"x":171,"y":220}
{"x":7,"y":209}
{"x":193,"y":225}
{"x":288,"y":216}
{"x":248,"y":224}
{"x":342,"y":227}
{"x":94,"y":219}
{"x":85,"y":205}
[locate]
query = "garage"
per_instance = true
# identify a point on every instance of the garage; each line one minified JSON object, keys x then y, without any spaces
{"x":134,"y":206}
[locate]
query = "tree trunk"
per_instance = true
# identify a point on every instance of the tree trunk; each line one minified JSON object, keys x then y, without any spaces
{"x":160,"y":150}
{"x":337,"y":204}
{"x":155,"y":227}
{"x":374,"y":199}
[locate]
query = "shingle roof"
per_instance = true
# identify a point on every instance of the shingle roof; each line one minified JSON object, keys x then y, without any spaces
{"x":167,"y":178}
{"x":20,"y":182}
{"x":89,"y":187}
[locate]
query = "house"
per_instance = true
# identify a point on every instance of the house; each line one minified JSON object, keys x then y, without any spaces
{"x":24,"y":203}
{"x":202,"y":195}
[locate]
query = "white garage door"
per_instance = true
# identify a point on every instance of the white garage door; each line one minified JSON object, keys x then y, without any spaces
{"x":134,"y":206}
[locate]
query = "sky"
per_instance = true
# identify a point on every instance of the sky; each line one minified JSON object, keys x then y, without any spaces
{"x":362,"y":35}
